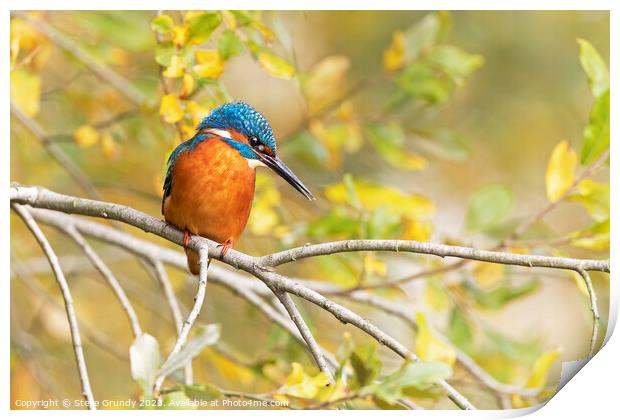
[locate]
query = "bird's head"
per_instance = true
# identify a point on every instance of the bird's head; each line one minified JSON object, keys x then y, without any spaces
{"x":245,"y":129}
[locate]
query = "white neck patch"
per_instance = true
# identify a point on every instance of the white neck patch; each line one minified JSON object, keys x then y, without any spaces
{"x":255,"y":163}
{"x":218,"y":132}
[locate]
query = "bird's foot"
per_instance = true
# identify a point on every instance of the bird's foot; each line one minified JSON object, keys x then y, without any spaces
{"x":187,"y":236}
{"x":225,"y":247}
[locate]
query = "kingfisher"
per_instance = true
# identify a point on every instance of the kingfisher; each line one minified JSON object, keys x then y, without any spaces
{"x":210,"y":178}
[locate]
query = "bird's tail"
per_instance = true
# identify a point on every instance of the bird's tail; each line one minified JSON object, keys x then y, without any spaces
{"x":193,"y":261}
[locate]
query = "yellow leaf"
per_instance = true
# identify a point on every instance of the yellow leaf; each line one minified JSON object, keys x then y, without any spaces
{"x":187,"y":87}
{"x":336,"y":138}
{"x":264,"y":217}
{"x":374,"y":266}
{"x":210,"y":64}
{"x":229,"y":19}
{"x":300,"y":384}
{"x":170,"y":109}
{"x":538,"y":377}
{"x":26,"y":91}
{"x":394,"y":56}
{"x":436,"y":296}
{"x":230,"y":370}
{"x":416,"y":230}
{"x":109,"y":147}
{"x":540,"y":369}
{"x":188,"y":132}
{"x":274,"y":65}
{"x":372,"y":196}
{"x":487,"y":274}
{"x":86,"y":136}
{"x":197,"y":111}
{"x":594,"y":196}
{"x":175,"y":69}
{"x":179,"y":35}
{"x":430,"y":348}
{"x":560,"y":170}
{"x":325,"y":81}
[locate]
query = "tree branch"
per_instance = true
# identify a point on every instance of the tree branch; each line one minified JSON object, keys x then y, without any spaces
{"x":313,"y":346}
{"x":56,"y":153}
{"x":249,"y":290}
{"x":175,"y":310}
{"x":107,"y":274}
{"x":121,"y":84}
{"x":87,"y":392}
{"x":193,"y":314}
{"x":256,"y":266}
{"x":328,"y":248}
{"x":593,"y":307}
{"x":41,"y":197}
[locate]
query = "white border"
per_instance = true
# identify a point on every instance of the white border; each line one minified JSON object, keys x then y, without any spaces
{"x":594,"y":392}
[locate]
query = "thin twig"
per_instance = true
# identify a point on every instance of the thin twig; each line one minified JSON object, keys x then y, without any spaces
{"x":56,"y":153}
{"x":109,"y":277}
{"x":175,"y":309}
{"x":193,"y":314}
{"x":121,"y":84}
{"x":239,"y":284}
{"x":32,"y":225}
{"x":41,"y":197}
{"x":93,"y":334}
{"x":593,"y":307}
{"x":313,"y":346}
{"x":441,"y":250}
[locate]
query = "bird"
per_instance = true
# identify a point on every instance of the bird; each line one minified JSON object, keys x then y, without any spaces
{"x":210,"y":178}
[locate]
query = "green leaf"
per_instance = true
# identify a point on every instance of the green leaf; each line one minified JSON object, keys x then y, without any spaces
{"x":164,"y":53}
{"x":274,"y":65}
{"x":383,"y":224}
{"x":457,"y":63}
{"x":419,"y":81}
{"x":444,"y":144}
{"x":201,"y":26}
{"x":594,"y":197}
{"x":307,"y":149}
{"x":425,"y":33}
{"x":205,"y":336}
{"x":459,"y":330}
{"x":337,"y":223}
{"x":388,"y":140}
{"x":366,"y":364}
{"x":144,"y":360}
{"x":229,"y":45}
{"x":501,"y":294}
{"x":420,"y":375}
{"x":177,"y":400}
{"x":488,"y":207}
{"x":202,"y":392}
{"x":594,"y":66}
{"x":162,"y":24}
{"x":596,"y":133}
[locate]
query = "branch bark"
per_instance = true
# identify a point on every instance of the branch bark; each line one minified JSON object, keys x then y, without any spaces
{"x":32,"y":225}
{"x":193,"y":314}
{"x":259,"y":268}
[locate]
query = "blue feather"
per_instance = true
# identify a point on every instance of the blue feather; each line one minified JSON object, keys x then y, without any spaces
{"x":241,"y":117}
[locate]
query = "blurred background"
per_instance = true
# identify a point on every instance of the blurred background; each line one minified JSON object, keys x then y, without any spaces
{"x":417,"y":125}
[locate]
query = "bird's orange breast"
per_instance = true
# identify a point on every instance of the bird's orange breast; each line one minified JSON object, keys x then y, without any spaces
{"x":212,"y":191}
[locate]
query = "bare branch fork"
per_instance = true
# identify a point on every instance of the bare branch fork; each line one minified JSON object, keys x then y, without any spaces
{"x":258,"y":267}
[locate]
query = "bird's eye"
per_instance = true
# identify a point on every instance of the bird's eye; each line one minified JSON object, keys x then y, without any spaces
{"x":253,"y":141}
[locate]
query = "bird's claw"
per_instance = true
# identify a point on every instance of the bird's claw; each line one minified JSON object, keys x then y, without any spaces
{"x":187,"y":236}
{"x":225,"y":247}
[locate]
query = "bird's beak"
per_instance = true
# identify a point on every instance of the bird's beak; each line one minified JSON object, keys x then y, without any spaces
{"x":281,"y":169}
